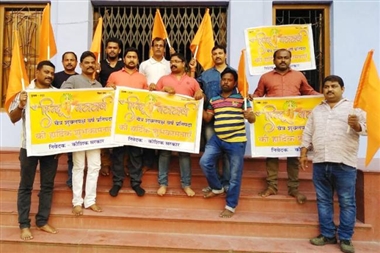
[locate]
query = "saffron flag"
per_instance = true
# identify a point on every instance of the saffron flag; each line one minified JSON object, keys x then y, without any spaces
{"x":17,"y":74}
{"x":242,"y":78}
{"x":97,"y":40}
{"x":203,"y":42}
{"x":367,"y":98}
{"x":159,"y":29}
{"x":47,"y":47}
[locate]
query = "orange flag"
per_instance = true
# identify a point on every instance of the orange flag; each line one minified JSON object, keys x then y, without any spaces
{"x":97,"y":40}
{"x":18,"y":78}
{"x":47,"y":48}
{"x":367,"y":98}
{"x":242,"y":78}
{"x":203,"y":42}
{"x":159,"y":29}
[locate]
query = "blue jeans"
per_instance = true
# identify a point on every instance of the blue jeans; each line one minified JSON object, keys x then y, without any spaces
{"x":328,"y":177}
{"x":235,"y":153}
{"x":184,"y":166}
{"x":48,"y":170}
{"x":208,"y":131}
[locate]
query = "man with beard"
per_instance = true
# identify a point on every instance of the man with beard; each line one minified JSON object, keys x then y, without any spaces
{"x":281,"y":82}
{"x":69,"y":62}
{"x":230,"y":138}
{"x":128,"y":77}
{"x":154,"y":68}
{"x":85,"y":81}
{"x":210,"y":84}
{"x":48,"y":164}
{"x":177,"y":82}
{"x":107,"y":66}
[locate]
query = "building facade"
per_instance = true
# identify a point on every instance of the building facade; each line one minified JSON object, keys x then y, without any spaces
{"x":352,"y":29}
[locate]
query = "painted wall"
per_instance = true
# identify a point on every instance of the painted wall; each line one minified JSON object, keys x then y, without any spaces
{"x":355,"y":29}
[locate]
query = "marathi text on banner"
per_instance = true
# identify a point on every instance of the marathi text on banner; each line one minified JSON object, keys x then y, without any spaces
{"x":279,"y":124}
{"x":262,"y":42}
{"x":59,"y":121}
{"x":157,"y":120}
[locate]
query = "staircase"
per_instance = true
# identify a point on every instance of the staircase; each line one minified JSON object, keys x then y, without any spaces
{"x":177,"y":223}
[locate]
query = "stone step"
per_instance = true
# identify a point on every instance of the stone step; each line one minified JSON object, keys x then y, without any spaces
{"x":252,"y":179}
{"x":176,"y":198}
{"x":193,"y":221}
{"x":125,"y":241}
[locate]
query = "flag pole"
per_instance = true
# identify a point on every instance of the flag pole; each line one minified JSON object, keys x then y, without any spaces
{"x":195,"y":53}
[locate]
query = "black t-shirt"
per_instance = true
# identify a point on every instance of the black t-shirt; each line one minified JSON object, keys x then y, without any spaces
{"x":60,"y":77}
{"x":107,"y":70}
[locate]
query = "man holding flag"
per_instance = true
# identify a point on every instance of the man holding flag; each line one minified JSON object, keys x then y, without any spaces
{"x":48,"y":164}
{"x":332,"y":130}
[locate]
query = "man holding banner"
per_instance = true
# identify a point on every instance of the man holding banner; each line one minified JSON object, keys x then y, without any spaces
{"x":178,"y":82}
{"x":281,"y":82}
{"x":48,"y":164}
{"x":333,"y":130}
{"x":84,"y":81}
{"x":128,"y":77}
{"x":153,"y":69}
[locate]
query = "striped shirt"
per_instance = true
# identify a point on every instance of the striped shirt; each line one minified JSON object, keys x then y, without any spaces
{"x":326,"y":132}
{"x":229,"y":124}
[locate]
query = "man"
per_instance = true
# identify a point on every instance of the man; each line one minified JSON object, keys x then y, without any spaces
{"x":333,"y":130}
{"x":48,"y":164}
{"x":85,"y":81}
{"x":281,"y":82}
{"x":228,"y":111}
{"x":210,"y":84}
{"x":129,"y":77}
{"x":107,"y":66}
{"x":154,"y":68}
{"x":69,"y":62}
{"x":177,"y":82}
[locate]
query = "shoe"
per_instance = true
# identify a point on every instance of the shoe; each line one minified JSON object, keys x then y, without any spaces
{"x":139,"y":191}
{"x":321,"y":240}
{"x":346,"y":246}
{"x":115,"y":190}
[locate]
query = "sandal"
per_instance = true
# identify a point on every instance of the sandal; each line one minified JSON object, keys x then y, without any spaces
{"x":267,"y":192}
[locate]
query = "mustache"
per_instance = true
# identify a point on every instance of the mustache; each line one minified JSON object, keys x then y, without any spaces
{"x":173,"y":66}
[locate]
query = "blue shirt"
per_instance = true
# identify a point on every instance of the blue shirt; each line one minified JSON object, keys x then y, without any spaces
{"x":210,"y":83}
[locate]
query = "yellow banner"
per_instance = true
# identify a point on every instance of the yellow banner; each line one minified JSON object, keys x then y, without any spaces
{"x":58,"y":121}
{"x":279,"y":124}
{"x":157,"y":120}
{"x":262,"y":42}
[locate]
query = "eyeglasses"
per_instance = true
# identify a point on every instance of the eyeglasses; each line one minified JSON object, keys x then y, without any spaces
{"x":176,"y":61}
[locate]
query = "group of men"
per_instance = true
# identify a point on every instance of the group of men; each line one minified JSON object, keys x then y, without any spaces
{"x":224,"y":129}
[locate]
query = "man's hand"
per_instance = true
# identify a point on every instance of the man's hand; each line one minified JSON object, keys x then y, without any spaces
{"x":353,"y":122}
{"x":169,"y":90}
{"x":171,"y":51}
{"x":250,"y":116}
{"x":23,"y":99}
{"x":303,"y":162}
{"x":198,"y":95}
{"x":152,"y":86}
{"x":192,"y":64}
{"x":250,"y":97}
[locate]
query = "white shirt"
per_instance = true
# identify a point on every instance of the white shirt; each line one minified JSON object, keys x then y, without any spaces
{"x":326,"y":131}
{"x":154,"y":70}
